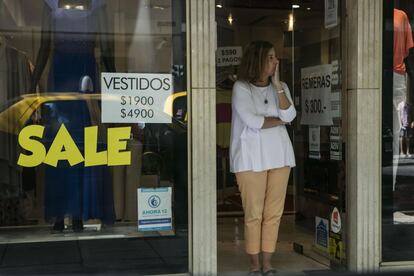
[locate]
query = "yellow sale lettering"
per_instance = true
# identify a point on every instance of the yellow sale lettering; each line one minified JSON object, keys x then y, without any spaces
{"x":64,"y":148}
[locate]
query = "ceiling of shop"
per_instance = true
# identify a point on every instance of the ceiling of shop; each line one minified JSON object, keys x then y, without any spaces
{"x":244,"y":12}
{"x":23,"y":13}
{"x":272,"y":4}
{"x":264,"y":13}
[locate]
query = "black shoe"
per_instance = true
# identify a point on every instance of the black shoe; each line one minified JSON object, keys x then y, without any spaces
{"x":58,"y":226}
{"x":77,"y":225}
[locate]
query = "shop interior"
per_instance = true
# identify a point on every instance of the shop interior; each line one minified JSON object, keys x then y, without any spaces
{"x":302,"y":40}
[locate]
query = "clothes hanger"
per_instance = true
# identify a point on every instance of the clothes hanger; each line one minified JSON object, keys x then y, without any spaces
{"x":226,"y":78}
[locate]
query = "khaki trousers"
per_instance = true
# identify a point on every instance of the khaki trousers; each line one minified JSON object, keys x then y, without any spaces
{"x":263,"y":197}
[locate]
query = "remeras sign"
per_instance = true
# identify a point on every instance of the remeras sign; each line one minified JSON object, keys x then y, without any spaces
{"x":64,"y":147}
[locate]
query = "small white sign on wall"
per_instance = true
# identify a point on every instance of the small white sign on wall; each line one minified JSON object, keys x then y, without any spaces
{"x":331,"y":13}
{"x":336,"y":104}
{"x":315,"y":142}
{"x":336,"y":70}
{"x":336,"y":143}
{"x":135,"y":97}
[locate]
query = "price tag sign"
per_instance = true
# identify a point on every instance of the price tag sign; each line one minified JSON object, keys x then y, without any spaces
{"x":135,"y":97}
{"x":314,"y":142}
{"x":227,"y":56}
{"x":316,"y":95}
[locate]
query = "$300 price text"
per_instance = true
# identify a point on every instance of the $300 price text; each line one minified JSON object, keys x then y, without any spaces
{"x":314,"y":106}
{"x":137,"y":107}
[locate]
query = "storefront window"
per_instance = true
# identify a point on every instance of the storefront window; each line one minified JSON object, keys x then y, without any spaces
{"x":319,"y":131}
{"x":93,"y":136}
{"x":397,"y":137}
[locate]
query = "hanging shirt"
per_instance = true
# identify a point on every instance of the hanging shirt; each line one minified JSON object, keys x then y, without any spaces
{"x":403,"y":40}
{"x":253,"y":148}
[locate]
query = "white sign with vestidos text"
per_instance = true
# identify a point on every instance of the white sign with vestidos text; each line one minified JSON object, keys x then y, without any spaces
{"x":316,"y":95}
{"x":135,"y":97}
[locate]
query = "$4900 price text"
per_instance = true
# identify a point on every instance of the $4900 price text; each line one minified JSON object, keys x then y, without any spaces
{"x":137,"y":107}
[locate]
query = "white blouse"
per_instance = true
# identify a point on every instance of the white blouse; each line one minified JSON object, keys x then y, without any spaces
{"x":253,"y":148}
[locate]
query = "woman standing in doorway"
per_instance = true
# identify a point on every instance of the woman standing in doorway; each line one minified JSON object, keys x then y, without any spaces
{"x":261,"y":153}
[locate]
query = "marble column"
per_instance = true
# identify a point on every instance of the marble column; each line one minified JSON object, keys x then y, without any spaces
{"x":201,"y":42}
{"x":364,"y":76}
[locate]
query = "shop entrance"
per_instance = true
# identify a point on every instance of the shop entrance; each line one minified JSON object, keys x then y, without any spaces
{"x":307,"y":37}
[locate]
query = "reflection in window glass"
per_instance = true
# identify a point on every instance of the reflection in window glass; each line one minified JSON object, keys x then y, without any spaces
{"x":398,"y":118}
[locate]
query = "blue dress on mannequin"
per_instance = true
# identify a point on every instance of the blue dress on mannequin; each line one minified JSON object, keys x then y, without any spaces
{"x":80,"y":192}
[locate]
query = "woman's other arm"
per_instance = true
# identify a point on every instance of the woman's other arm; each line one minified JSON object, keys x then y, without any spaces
{"x":286,"y":114}
{"x":243,"y":104}
{"x":270,"y":122}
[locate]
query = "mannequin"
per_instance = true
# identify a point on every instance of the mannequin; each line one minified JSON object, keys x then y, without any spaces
{"x":74,"y":34}
{"x":403,"y":41}
{"x":69,"y":36}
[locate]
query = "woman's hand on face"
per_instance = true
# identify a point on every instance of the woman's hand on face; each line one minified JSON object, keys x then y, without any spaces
{"x":276,"y":77}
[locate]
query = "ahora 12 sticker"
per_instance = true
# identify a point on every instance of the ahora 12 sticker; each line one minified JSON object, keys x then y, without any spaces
{"x":154,"y":209}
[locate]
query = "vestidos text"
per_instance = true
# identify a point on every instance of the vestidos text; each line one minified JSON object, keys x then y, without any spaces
{"x":136,"y":83}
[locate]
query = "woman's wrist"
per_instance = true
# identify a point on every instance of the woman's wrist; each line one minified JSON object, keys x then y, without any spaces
{"x":278,"y":86}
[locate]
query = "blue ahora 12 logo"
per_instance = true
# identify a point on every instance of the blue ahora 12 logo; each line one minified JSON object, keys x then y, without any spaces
{"x":154,"y":201}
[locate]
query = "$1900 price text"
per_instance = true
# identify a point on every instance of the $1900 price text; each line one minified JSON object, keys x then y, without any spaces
{"x":137,"y":107}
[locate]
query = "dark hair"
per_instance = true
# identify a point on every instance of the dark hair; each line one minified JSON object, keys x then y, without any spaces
{"x":254,"y":60}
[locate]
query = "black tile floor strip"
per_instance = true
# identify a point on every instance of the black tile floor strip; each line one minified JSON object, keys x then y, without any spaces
{"x":3,"y":253}
{"x":81,"y":261}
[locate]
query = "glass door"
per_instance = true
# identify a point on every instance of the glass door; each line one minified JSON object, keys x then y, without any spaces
{"x":307,"y":38}
{"x":320,"y":129}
